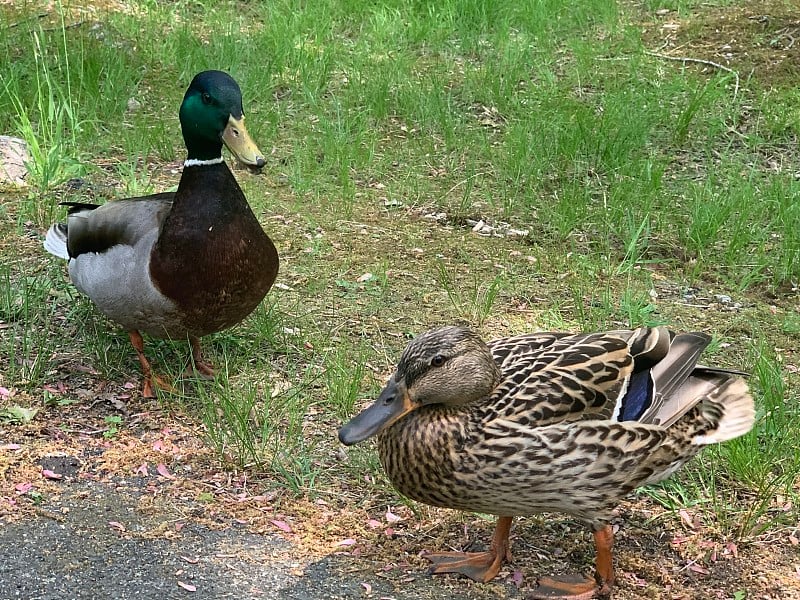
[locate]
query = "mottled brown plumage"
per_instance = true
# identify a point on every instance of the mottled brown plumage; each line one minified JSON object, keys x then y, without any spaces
{"x":546,"y":422}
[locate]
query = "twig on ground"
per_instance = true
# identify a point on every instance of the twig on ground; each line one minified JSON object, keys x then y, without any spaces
{"x":48,"y":514}
{"x":701,"y":61}
{"x":31,"y":18}
{"x":64,"y":27}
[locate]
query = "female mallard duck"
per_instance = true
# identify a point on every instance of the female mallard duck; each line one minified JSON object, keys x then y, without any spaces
{"x":546,"y":422}
{"x":182,"y":264}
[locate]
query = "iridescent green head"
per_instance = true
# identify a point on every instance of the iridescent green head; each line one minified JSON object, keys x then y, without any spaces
{"x":211,"y":114}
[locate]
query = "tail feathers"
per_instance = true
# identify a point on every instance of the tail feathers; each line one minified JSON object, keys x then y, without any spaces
{"x":684,"y":352}
{"x":55,"y":241}
{"x":730,"y":407}
{"x":675,"y":379}
{"x":73,"y":207}
{"x":706,"y":369}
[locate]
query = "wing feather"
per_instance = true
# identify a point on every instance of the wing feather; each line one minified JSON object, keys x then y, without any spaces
{"x":564,"y":377}
{"x":92,"y":228}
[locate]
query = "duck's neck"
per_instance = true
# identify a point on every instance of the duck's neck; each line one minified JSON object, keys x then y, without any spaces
{"x":208,"y":189}
{"x":200,"y":148}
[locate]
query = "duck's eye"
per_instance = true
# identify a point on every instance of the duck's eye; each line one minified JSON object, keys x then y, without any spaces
{"x":206,"y":98}
{"x":437,"y":361}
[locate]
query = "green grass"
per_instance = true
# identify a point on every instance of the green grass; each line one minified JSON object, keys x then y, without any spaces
{"x":647,"y":188}
{"x":26,"y":311}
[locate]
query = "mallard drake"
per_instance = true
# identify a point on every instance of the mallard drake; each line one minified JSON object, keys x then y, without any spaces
{"x":546,"y":422}
{"x":184,"y":264}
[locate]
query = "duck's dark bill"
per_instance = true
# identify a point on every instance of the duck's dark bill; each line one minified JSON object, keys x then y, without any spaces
{"x":238,"y":141}
{"x":392,"y":404}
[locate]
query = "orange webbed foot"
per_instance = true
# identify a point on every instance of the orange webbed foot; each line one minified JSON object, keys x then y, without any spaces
{"x":578,"y":587}
{"x":478,"y":566}
{"x":156,"y":381}
{"x":150,"y":379}
{"x":199,"y":367}
{"x":569,"y":587}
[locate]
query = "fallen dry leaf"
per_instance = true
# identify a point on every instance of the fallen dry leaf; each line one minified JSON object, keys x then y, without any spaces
{"x":636,"y":580}
{"x":57,"y":389}
{"x":282,"y":525}
{"x":695,"y":568}
{"x":691,"y":521}
{"x":48,"y":474}
{"x":164,"y":472}
{"x":517,"y":578}
{"x":680,"y":539}
{"x":187,"y":586}
{"x":392,"y":518}
{"x":347,"y":542}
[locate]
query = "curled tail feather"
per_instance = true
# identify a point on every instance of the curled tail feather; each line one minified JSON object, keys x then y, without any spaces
{"x":55,"y":241}
{"x":729,"y":409}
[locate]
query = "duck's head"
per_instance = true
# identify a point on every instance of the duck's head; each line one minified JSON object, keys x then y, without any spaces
{"x":211,"y":114}
{"x":449,"y":366}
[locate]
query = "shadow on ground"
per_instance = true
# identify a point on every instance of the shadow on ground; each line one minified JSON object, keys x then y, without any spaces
{"x":109,"y":547}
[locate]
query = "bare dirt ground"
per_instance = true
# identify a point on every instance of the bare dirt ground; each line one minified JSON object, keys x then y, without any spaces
{"x":150,"y":513}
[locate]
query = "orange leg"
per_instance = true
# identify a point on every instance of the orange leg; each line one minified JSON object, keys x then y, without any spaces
{"x":201,"y":367}
{"x":604,"y":544}
{"x":577,"y":587}
{"x":479,"y":566}
{"x":149,"y":378}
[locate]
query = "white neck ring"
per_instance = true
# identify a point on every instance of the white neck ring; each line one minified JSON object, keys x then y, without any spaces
{"x":196,"y":162}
